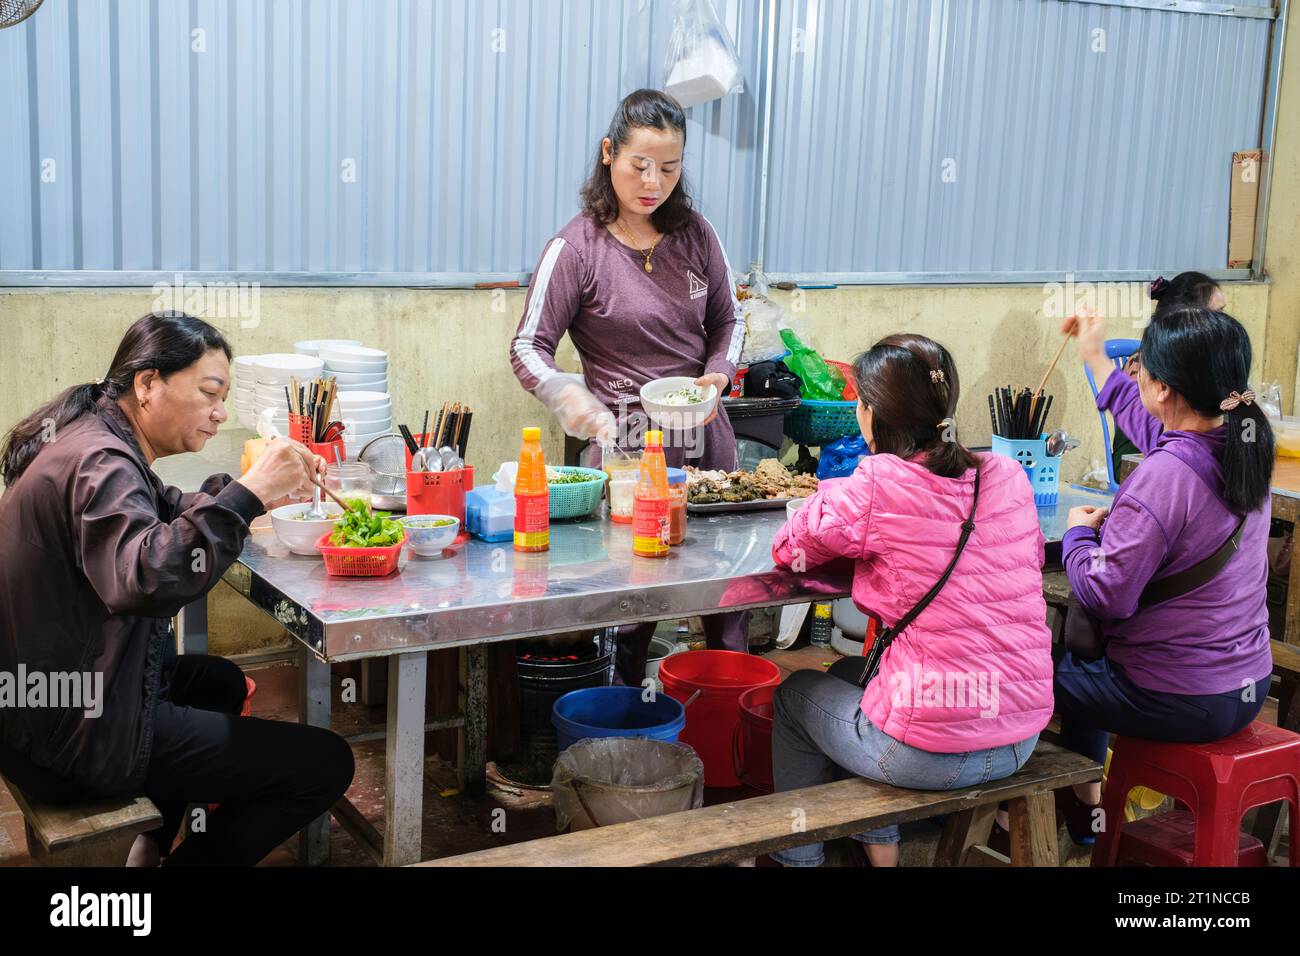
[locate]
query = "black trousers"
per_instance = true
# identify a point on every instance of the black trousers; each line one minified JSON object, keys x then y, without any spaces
{"x":270,"y":778}
{"x":722,"y":632}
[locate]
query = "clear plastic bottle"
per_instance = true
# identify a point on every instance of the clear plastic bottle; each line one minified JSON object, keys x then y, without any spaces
{"x":650,"y":509}
{"x":532,"y":496}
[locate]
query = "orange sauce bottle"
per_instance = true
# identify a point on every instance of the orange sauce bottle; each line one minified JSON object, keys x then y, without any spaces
{"x":650,"y":507}
{"x":532,"y":496}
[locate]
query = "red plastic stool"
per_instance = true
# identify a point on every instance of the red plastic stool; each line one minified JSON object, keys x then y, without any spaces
{"x":1167,"y":839}
{"x":1218,"y":782}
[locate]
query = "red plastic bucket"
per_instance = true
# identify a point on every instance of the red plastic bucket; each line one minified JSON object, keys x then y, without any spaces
{"x":752,"y":751}
{"x":712,"y":718}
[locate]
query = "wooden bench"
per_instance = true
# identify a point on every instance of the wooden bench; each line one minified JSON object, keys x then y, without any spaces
{"x":88,"y":834}
{"x":747,"y":828}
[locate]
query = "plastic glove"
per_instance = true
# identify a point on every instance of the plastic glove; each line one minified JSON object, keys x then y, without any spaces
{"x":579,"y":412}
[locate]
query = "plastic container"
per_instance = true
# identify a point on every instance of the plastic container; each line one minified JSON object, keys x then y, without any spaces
{"x":622,"y":491}
{"x":352,"y":479}
{"x":577,"y":500}
{"x":618,"y":779}
{"x":752,"y":753}
{"x":359,"y":562}
{"x":650,"y":506}
{"x":677,"y":502}
{"x":532,"y":496}
{"x":615,"y":712}
{"x":721,"y":677}
{"x":490,"y":514}
{"x":1040,"y":468}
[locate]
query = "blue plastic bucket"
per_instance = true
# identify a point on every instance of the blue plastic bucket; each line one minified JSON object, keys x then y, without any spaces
{"x":615,"y":712}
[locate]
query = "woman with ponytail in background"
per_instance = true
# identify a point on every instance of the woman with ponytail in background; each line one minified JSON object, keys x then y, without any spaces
{"x":1194,"y":666}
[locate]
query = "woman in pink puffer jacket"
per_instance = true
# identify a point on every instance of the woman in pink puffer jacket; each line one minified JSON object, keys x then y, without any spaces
{"x":962,"y":693}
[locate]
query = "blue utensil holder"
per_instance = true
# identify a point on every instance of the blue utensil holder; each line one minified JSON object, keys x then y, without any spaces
{"x":1040,"y":469}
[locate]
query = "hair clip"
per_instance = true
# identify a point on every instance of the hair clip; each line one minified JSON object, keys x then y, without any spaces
{"x":1158,"y":286}
{"x":936,"y":376}
{"x":945,"y":423}
{"x":1237,"y":398}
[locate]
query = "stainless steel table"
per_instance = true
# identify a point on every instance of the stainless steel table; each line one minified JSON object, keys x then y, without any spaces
{"x":479,"y":593}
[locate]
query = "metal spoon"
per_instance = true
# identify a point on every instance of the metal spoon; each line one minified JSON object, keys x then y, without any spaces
{"x":317,"y":511}
{"x":1059,"y":442}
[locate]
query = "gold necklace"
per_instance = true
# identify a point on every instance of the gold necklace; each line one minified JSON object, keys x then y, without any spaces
{"x":636,"y":245}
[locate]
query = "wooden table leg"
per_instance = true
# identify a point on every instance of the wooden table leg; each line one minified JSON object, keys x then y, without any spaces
{"x":964,"y":830}
{"x":404,"y":759}
{"x":1033,"y":830}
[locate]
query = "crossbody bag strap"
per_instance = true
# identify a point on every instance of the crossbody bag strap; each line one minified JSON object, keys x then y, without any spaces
{"x":886,"y":637}
{"x":1176,"y":585}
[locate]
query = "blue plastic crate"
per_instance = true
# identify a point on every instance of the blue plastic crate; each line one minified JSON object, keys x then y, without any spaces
{"x":1041,"y":469}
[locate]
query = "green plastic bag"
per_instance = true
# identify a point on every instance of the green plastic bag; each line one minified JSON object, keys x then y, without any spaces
{"x":821,"y":382}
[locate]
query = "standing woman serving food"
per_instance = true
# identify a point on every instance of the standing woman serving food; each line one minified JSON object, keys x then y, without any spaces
{"x":101,"y":555}
{"x":641,"y":284}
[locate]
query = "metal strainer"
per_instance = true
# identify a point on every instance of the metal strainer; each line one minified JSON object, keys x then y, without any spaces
{"x":386,"y":456}
{"x":14,"y":12}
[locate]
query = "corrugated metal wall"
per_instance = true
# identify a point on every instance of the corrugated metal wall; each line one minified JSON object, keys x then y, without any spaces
{"x":332,"y":135}
{"x":1057,"y":157}
{"x":407,"y":136}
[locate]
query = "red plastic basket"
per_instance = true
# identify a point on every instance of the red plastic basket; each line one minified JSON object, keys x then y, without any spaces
{"x":359,"y":562}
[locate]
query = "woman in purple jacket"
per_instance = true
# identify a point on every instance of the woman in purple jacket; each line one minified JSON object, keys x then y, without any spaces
{"x":1195,"y":667}
{"x":641,"y":284}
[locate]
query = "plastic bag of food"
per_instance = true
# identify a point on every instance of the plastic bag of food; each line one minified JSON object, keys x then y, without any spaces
{"x":607,"y":780}
{"x":702,"y":63}
{"x":1269,"y":398}
{"x":580,"y":413}
{"x":821,"y":382}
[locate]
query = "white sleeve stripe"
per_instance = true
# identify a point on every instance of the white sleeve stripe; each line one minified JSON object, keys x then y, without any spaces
{"x":738,"y":331}
{"x":524,"y":347}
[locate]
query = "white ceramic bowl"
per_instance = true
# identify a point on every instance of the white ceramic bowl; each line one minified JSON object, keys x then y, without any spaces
{"x":313,"y":346}
{"x":380,"y":413}
{"x":429,"y":541}
{"x":353,"y":353}
{"x":379,"y":386}
{"x":284,"y":364}
{"x":358,"y":378}
{"x":363,"y":399}
{"x":300,"y":537}
{"x":351,"y":367}
{"x":677,"y":417}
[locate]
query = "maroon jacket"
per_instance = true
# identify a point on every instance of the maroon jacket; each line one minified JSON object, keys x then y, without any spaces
{"x":98,"y":556}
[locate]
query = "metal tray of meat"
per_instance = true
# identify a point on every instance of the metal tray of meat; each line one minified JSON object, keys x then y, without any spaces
{"x":723,"y":507}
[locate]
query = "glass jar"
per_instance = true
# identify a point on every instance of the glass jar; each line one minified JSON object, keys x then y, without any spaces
{"x":351,"y":479}
{"x":621,"y":488}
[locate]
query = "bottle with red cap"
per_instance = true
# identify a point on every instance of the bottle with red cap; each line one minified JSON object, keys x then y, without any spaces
{"x":650,"y":528}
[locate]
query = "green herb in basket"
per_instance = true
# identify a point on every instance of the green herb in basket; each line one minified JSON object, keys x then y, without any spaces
{"x":556,"y":477}
{"x":359,"y":528}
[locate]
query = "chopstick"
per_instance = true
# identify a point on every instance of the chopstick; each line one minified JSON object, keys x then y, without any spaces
{"x":1056,"y":358}
{"x":333,"y":497}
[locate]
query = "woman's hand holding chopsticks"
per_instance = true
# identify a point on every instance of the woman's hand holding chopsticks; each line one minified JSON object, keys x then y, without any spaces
{"x":1090,"y":329}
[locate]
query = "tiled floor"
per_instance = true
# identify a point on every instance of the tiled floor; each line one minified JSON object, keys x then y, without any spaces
{"x":453,"y":822}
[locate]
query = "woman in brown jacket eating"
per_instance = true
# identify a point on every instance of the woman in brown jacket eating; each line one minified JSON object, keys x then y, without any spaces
{"x":100,"y":556}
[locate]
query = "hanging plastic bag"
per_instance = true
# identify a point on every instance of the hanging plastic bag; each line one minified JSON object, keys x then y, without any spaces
{"x":702,"y":64}
{"x":841,"y":457}
{"x":764,"y":320}
{"x":821,"y":382}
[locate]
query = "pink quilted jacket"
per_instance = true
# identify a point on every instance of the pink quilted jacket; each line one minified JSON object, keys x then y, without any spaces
{"x":975,"y":669}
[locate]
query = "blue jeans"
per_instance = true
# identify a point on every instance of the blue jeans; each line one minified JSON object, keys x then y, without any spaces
{"x":820,"y":733}
{"x":1098,"y":698}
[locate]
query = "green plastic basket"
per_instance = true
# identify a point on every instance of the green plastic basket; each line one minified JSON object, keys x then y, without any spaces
{"x":577,"y":500}
{"x":820,"y":423}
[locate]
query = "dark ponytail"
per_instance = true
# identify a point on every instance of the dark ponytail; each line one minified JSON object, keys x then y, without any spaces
{"x":166,"y":341}
{"x":1187,"y":290}
{"x":911,"y":384}
{"x":1205,"y":357}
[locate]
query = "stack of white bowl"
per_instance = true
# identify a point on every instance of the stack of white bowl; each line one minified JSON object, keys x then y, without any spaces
{"x":312,"y":347}
{"x":245,"y":375}
{"x":272,"y":377}
{"x":357,"y":369}
{"x":365,"y":415}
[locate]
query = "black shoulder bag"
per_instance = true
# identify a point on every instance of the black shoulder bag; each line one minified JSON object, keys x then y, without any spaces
{"x":886,"y":637}
{"x":1081,"y":632}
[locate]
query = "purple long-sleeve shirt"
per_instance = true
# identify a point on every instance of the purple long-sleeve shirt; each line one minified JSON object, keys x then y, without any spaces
{"x":631,"y":327}
{"x":1169,"y":515}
